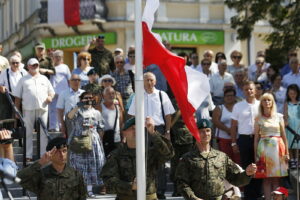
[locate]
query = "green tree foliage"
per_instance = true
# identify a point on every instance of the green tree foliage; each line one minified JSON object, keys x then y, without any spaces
{"x":282,"y":15}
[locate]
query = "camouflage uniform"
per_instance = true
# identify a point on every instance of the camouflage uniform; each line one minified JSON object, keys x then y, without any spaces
{"x":120,"y":169}
{"x":46,"y":63}
{"x":93,"y":88}
{"x":201,"y":175}
{"x":102,"y":61}
{"x":48,"y":184}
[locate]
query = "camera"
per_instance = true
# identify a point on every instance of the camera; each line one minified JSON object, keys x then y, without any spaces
{"x":16,"y":133}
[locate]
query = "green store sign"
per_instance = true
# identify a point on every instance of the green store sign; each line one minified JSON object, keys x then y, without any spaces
{"x":192,"y":37}
{"x":77,"y":41}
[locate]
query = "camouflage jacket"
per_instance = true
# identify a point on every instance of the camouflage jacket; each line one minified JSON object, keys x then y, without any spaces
{"x":119,"y":170}
{"x":46,"y":63}
{"x":102,"y":61}
{"x":48,"y":184}
{"x":201,"y":176}
{"x":93,"y":88}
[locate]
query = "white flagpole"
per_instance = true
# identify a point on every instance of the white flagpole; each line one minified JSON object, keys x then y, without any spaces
{"x":139,"y":105}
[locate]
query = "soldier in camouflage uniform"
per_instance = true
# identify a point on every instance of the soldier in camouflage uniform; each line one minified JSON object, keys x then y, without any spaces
{"x":102,"y":58}
{"x":201,"y":172}
{"x":46,"y":65}
{"x":55,"y":181}
{"x":182,"y":141}
{"x":119,"y":172}
{"x":94,"y":87}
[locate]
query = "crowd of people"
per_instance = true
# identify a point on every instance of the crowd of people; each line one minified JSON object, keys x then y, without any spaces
{"x":247,"y":111}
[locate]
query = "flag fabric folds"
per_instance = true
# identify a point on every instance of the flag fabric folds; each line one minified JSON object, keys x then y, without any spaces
{"x":189,"y":86}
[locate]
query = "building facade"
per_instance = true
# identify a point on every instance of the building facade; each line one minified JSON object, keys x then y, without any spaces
{"x":189,"y":25}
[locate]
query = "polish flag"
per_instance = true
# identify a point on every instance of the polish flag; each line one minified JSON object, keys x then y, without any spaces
{"x":189,"y":86}
{"x":64,"y":11}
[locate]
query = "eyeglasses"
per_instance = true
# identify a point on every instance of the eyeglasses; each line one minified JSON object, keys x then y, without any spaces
{"x":119,"y":62}
{"x":131,"y":56}
{"x":237,"y":57}
{"x":86,"y":59}
{"x":206,"y":64}
{"x":15,"y":63}
{"x":108,"y":80}
{"x":75,"y":79}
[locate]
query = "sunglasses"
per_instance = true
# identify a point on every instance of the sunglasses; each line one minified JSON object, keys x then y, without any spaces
{"x":293,"y":54}
{"x":108,"y":80}
{"x":131,"y":56}
{"x":120,"y":62}
{"x":237,"y":57}
{"x":86,"y":59}
{"x":194,"y":57}
{"x":206,"y":64}
{"x":15,"y":63}
{"x":259,"y":63}
{"x":35,"y":65}
{"x":101,"y":37}
{"x":75,"y":80}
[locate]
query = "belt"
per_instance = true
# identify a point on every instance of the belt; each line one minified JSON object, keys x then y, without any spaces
{"x":246,"y":136}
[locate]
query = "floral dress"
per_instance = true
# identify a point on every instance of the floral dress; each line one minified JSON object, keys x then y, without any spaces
{"x":89,"y":164}
{"x":271,"y":150}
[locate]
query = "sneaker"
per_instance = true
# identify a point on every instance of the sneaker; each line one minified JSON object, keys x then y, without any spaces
{"x":91,"y":195}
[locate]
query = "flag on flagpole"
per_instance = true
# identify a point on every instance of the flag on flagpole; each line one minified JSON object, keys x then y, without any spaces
{"x":189,"y":86}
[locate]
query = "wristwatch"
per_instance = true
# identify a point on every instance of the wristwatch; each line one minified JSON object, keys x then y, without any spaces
{"x":233,"y":144}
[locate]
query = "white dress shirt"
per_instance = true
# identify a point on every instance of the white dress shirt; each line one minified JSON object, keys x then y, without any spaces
{"x":197,"y":67}
{"x":34,"y":90}
{"x":152,"y":106}
{"x":291,"y":78}
{"x":14,"y":78}
{"x":217,"y":83}
{"x":244,"y":113}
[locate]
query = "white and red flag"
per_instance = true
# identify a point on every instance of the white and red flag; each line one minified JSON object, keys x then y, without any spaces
{"x":189,"y":86}
{"x":64,"y":11}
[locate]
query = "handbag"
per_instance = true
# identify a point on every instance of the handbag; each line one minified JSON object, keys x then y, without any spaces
{"x":82,"y":143}
{"x":109,"y":137}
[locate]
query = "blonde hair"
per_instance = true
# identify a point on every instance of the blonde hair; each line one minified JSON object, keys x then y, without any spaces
{"x":273,"y":108}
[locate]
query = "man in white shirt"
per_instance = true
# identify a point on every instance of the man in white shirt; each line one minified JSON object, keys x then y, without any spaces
{"x":59,"y":81}
{"x":35,"y":92}
{"x":209,"y":54}
{"x":258,"y":71}
{"x":292,"y":77}
{"x":242,"y":125}
{"x":158,"y":106}
{"x":195,"y":62}
{"x":9,"y":79}
{"x":217,"y":82}
{"x":67,"y":100}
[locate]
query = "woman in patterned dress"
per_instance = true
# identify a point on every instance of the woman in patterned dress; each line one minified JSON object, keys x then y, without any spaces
{"x":85,"y":118}
{"x":270,"y":145}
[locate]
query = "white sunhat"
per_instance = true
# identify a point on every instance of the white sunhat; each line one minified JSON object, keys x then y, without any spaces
{"x":32,"y":61}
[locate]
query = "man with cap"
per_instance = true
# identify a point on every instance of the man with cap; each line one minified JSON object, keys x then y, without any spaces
{"x":35,"y":92}
{"x":280,"y":193}
{"x":46,"y":65}
{"x":201,"y":172}
{"x":119,"y":173}
{"x":102,"y":58}
{"x":51,"y":178}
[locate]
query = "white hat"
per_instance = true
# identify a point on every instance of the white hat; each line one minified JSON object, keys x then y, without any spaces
{"x":119,"y":50}
{"x":32,"y":61}
{"x":107,"y":76}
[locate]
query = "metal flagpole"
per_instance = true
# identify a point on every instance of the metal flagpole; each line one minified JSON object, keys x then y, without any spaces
{"x":139,"y":105}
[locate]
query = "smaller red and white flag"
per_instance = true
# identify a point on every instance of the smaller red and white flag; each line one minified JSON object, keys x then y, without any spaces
{"x":64,"y":11}
{"x":189,"y":86}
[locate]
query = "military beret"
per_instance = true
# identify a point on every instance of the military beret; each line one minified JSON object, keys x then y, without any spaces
{"x":92,"y":72}
{"x":204,"y":123}
{"x":130,"y":122}
{"x":58,"y":142}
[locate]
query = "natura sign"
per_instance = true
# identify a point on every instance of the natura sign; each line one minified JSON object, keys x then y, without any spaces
{"x":77,"y":41}
{"x":192,"y":37}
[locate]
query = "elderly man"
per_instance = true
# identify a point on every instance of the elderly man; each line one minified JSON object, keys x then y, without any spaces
{"x":158,"y":106}
{"x":258,"y":71}
{"x":209,"y":55}
{"x":239,"y":78}
{"x":201,"y":172}
{"x":46,"y":67}
{"x":9,"y":79}
{"x":118,"y":173}
{"x":102,"y":58}
{"x":292,"y":77}
{"x":195,"y":62}
{"x":66,"y":101}
{"x":217,"y":82}
{"x":51,"y":178}
{"x":35,"y":92}
{"x":124,"y":85}
{"x":59,"y":82}
{"x":287,"y":68}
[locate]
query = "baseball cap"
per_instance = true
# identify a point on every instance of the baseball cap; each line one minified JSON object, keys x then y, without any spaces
{"x":281,"y":190}
{"x":32,"y":61}
{"x":204,"y":123}
{"x":40,"y":45}
{"x":130,"y":122}
{"x":58,"y":142}
{"x":119,"y":50}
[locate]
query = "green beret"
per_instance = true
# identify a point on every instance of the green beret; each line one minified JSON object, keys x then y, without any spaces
{"x":130,"y":122}
{"x":204,"y":123}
